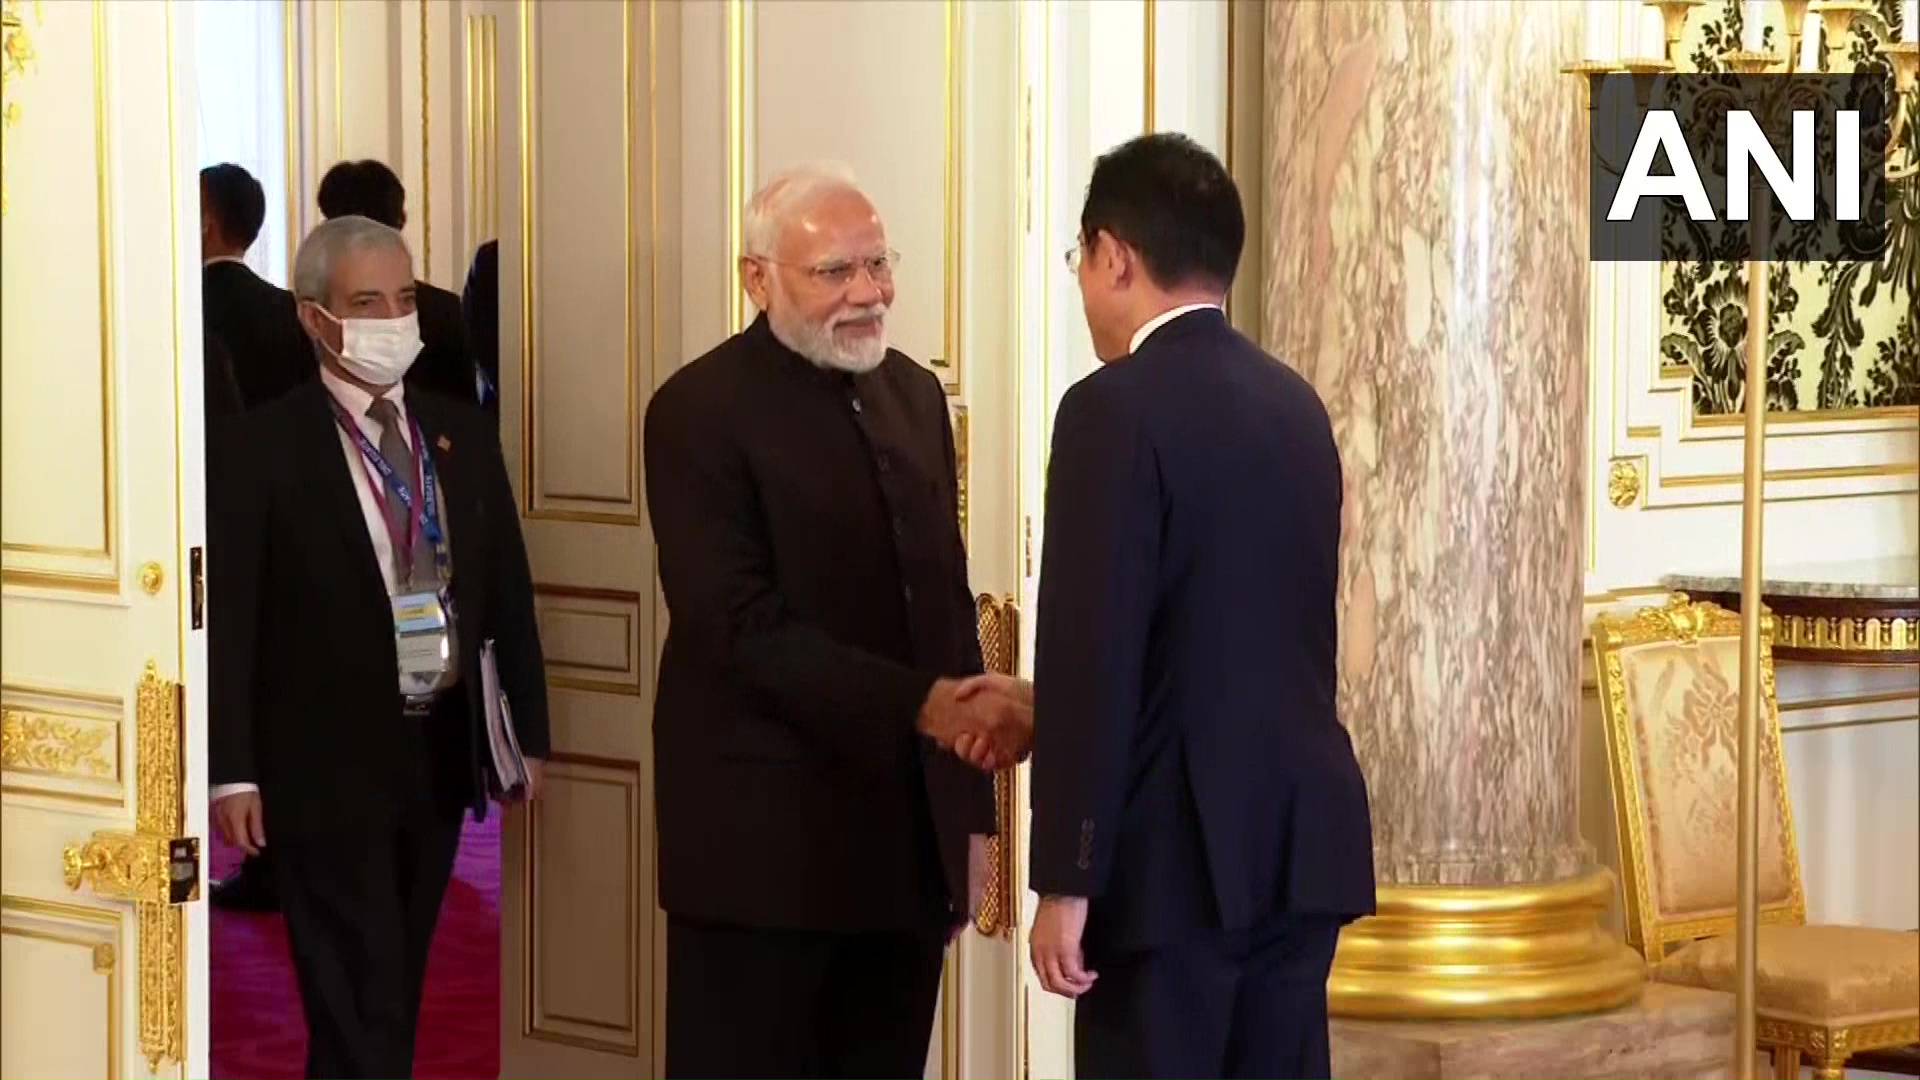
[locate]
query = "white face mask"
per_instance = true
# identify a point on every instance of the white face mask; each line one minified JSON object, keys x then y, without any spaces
{"x":377,"y":351}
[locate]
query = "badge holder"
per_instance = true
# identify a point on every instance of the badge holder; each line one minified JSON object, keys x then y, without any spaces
{"x":423,"y":640}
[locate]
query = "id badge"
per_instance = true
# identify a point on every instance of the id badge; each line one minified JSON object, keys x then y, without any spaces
{"x":423,"y":638}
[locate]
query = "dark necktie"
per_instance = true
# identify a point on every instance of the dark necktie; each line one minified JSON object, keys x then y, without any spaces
{"x":420,"y":573}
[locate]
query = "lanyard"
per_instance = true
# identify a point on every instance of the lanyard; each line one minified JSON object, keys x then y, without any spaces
{"x":423,"y":522}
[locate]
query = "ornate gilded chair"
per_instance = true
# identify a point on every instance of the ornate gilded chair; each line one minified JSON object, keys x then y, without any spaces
{"x":999,"y":622}
{"x":1669,"y":687}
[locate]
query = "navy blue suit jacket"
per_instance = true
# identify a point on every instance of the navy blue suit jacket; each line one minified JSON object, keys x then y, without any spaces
{"x":1190,"y":773}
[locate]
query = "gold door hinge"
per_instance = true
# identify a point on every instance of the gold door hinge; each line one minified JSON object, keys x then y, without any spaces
{"x":1027,"y":526}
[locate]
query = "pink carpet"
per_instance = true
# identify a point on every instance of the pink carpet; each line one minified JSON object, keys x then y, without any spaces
{"x":257,"y":1027}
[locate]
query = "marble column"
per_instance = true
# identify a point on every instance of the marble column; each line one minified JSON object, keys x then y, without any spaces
{"x":1425,"y":244}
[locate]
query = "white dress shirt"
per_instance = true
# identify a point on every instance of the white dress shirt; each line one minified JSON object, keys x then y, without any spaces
{"x":1162,"y":319}
{"x":356,"y":402}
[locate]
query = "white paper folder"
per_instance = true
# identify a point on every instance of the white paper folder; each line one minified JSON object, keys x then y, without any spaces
{"x":509,"y":772}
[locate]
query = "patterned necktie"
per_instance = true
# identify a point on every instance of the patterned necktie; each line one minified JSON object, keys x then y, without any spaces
{"x":420,"y":573}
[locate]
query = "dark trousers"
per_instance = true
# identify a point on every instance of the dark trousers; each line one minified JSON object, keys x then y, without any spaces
{"x":1249,"y":1003}
{"x":361,"y":911}
{"x":753,"y":1002}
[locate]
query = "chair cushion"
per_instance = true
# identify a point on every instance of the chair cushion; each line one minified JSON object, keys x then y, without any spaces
{"x":1833,"y":976}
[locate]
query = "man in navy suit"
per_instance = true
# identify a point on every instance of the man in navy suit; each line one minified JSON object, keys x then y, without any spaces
{"x":1200,"y":825}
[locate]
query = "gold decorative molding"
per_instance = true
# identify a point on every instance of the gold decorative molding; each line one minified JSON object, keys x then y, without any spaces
{"x":587,"y":673}
{"x":426,"y":151}
{"x":1623,"y":482}
{"x":999,"y":628}
{"x":16,"y":59}
{"x":142,"y":866}
{"x":1834,"y":633}
{"x":60,"y":747}
{"x":81,"y":927}
{"x":290,"y":74}
{"x":53,"y":566}
{"x":953,"y":208}
{"x":1149,"y":60}
{"x":163,"y":966}
{"x":622,"y":1032}
{"x":1830,"y":1047}
{"x":739,"y":169}
{"x":482,"y":131}
{"x":626,"y":507}
{"x":158,"y":711}
{"x":1866,"y":631}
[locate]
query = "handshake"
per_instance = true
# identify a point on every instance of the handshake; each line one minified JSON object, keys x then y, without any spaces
{"x":986,"y":720}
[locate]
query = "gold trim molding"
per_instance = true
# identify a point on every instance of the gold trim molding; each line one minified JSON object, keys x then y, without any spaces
{"x":1449,"y":952}
{"x":80,"y":927}
{"x":137,"y":866}
{"x":1150,"y":54}
{"x":60,"y":572}
{"x":624,"y":508}
{"x":1830,"y":1047}
{"x":1833,"y":633}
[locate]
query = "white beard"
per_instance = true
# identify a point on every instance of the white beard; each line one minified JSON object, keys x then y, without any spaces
{"x":818,"y":345}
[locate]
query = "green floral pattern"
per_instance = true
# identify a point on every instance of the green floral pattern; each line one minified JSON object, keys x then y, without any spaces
{"x":1839,"y":335}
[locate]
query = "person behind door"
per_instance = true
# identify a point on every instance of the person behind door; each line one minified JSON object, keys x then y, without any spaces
{"x":252,"y":319}
{"x":1200,"y":825}
{"x":364,"y":546}
{"x":446,"y":365}
{"x":818,"y":846}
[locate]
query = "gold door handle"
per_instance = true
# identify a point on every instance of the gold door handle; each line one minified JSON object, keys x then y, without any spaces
{"x":999,"y":625}
{"x":123,"y":866}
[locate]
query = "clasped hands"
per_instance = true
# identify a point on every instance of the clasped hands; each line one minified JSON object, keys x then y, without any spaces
{"x":986,"y":720}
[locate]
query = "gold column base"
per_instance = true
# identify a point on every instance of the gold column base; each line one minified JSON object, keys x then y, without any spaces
{"x":1451,"y":952}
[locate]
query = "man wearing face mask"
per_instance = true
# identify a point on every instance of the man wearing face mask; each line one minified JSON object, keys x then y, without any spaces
{"x":819,"y":841}
{"x":369,"y":550}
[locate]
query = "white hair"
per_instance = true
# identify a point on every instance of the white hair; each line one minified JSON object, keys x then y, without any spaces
{"x":313,"y":264}
{"x":786,"y":193}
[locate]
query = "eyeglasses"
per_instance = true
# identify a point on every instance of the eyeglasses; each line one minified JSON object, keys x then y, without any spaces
{"x":1071,"y":257}
{"x":840,"y":273}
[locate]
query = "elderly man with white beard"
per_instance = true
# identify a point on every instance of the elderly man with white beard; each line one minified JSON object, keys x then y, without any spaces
{"x":820,"y":843}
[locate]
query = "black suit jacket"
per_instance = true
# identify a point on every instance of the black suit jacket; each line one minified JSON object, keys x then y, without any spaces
{"x":816,"y":582}
{"x":445,"y":363}
{"x":255,"y":321}
{"x":481,"y":302}
{"x":220,"y":391}
{"x":305,"y":700}
{"x":1189,"y":770}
